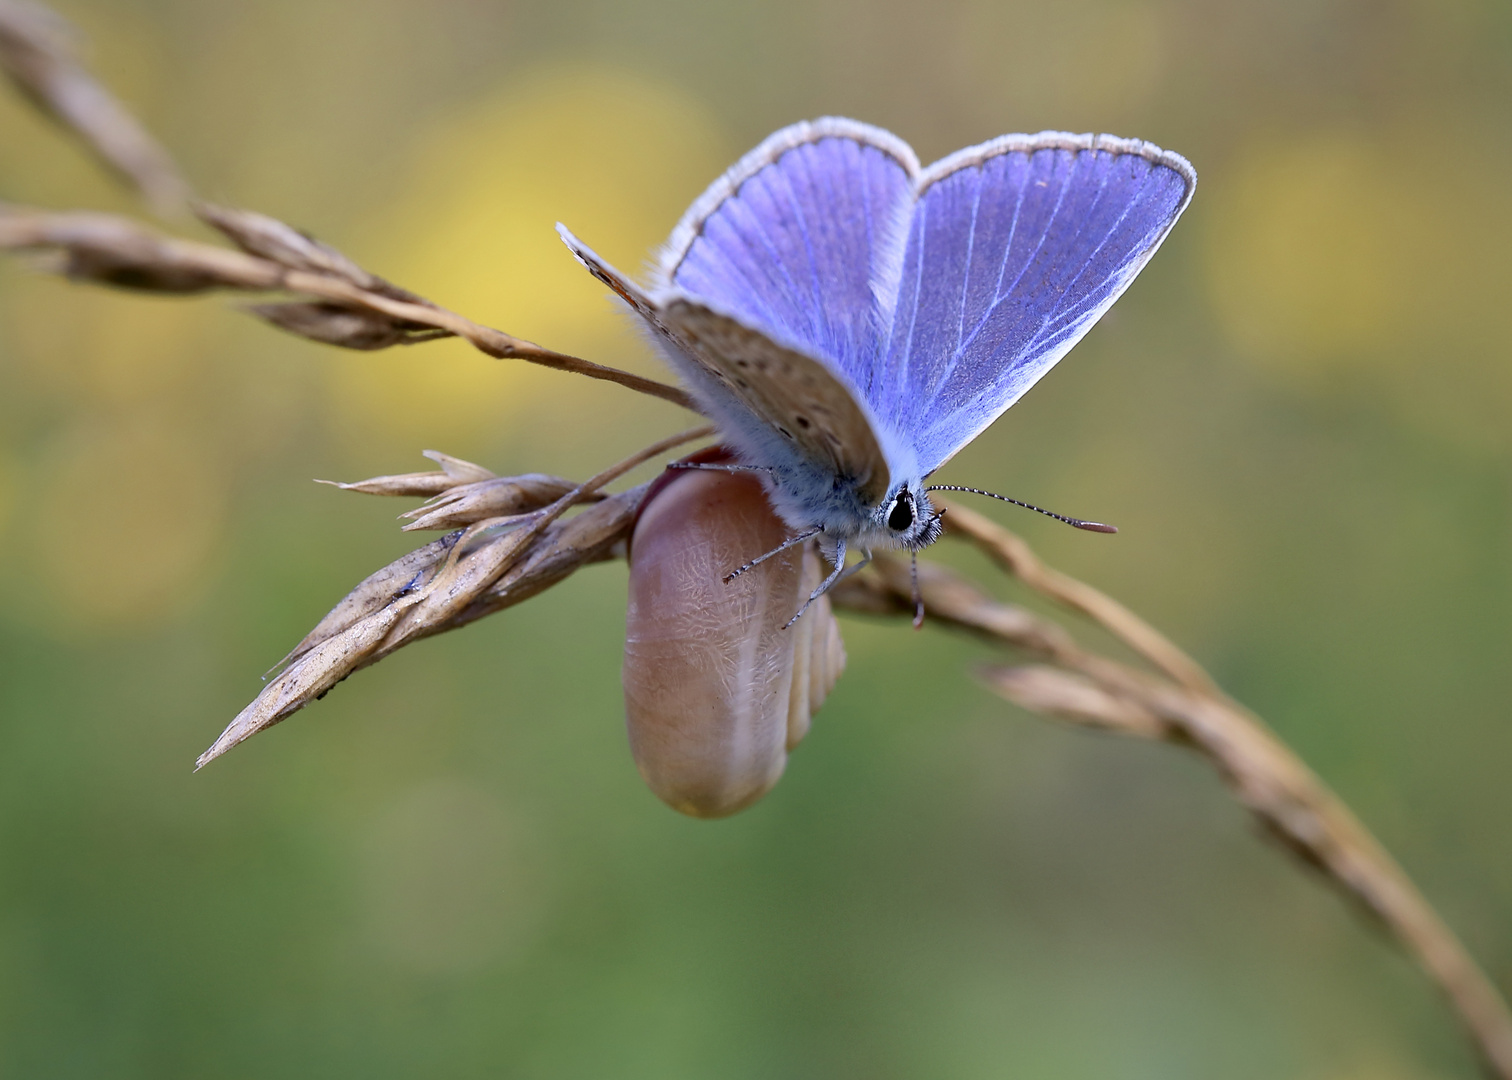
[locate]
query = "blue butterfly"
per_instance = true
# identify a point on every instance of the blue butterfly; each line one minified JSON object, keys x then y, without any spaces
{"x":851,"y":320}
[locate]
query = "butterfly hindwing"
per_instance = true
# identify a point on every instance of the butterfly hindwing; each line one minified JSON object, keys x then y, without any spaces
{"x":791,"y":394}
{"x":1014,"y":250}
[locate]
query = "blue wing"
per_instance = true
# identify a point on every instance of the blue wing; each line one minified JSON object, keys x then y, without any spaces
{"x":791,"y":239}
{"x":1014,"y":250}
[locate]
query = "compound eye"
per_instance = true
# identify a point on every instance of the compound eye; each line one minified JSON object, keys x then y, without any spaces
{"x":901,"y":515}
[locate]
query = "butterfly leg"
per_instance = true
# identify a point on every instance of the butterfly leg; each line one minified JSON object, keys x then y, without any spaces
{"x":778,"y":550}
{"x":825,"y":585}
{"x":866,"y":558}
{"x":918,"y":597}
{"x":709,"y":467}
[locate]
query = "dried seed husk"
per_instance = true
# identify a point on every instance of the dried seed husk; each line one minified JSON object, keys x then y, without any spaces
{"x":454,"y":473}
{"x":112,"y":250}
{"x":717,"y":689}
{"x":271,"y":239}
{"x":499,"y":496}
{"x":1073,"y":697}
{"x":469,"y":582}
{"x":418,"y":484}
{"x":345,"y":327}
{"x":373,"y":592}
{"x":463,"y":472}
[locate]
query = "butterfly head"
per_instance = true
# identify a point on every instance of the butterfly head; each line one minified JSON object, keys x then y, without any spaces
{"x":907,"y":518}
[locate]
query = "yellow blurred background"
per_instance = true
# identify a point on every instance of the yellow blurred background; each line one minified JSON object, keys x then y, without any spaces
{"x":1299,"y":417}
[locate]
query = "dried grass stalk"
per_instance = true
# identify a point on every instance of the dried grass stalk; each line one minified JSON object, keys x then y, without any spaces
{"x":352,"y":308}
{"x":447,"y":583}
{"x":1016,"y":558}
{"x":111,"y":250}
{"x":1287,"y":799}
{"x":38,"y":50}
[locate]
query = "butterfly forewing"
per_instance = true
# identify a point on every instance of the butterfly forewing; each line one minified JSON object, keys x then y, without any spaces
{"x":1015,"y":249}
{"x":774,"y":401}
{"x":789,"y":240}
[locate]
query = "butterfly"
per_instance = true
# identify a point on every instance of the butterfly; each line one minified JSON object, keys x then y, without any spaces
{"x":850,"y":320}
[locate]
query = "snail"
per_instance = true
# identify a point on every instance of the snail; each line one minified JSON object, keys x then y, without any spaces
{"x":717,"y":692}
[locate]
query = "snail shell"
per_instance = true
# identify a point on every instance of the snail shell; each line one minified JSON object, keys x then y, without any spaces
{"x":716,"y":691}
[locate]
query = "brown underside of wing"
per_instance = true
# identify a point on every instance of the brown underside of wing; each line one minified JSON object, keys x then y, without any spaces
{"x":612,"y":278}
{"x":792,"y":392}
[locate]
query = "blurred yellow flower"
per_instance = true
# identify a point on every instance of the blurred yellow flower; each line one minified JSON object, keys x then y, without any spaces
{"x":614,"y":155}
{"x":1308,"y":261}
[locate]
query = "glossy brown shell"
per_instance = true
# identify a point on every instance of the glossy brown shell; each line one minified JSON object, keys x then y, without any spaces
{"x":716,"y":691}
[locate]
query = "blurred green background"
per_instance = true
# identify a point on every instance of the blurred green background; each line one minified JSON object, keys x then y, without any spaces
{"x":1298,"y":416}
